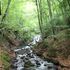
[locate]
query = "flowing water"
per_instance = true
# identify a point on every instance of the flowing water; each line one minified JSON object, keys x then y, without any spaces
{"x":27,"y":60}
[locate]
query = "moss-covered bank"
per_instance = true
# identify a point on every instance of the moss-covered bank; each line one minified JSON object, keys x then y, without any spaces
{"x":56,"y":48}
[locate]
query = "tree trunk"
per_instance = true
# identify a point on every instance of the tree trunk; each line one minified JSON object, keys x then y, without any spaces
{"x":6,"y":11}
{"x":50,"y":15}
{"x":0,"y":7}
{"x":39,"y":10}
{"x":49,"y":8}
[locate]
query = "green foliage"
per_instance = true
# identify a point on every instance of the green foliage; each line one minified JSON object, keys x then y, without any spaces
{"x":6,"y":60}
{"x":21,"y":18}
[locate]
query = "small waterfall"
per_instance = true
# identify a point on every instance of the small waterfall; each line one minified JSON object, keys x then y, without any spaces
{"x":27,"y":60}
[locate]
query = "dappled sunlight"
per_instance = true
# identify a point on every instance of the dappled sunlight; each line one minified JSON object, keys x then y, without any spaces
{"x":30,"y":7}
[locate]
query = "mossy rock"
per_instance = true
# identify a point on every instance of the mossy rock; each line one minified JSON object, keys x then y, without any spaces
{"x":52,"y":52}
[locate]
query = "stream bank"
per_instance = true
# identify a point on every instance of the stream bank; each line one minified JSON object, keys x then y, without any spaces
{"x":27,"y":60}
{"x":8,"y":41}
{"x":56,"y":51}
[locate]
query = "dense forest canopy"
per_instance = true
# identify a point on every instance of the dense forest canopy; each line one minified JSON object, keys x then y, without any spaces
{"x":34,"y":16}
{"x":25,"y":19}
{"x":23,"y":16}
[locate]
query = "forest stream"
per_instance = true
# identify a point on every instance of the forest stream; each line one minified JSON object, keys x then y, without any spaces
{"x":34,"y":34}
{"x":27,"y":60}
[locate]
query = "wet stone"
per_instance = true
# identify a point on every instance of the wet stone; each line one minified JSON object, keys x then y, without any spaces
{"x":14,"y":67}
{"x":14,"y":60}
{"x":29,"y":69}
{"x":26,"y":59}
{"x":30,"y":55}
{"x":28,"y":64}
{"x":38,"y":63}
{"x":23,"y":57}
{"x":45,"y":64}
{"x":50,"y":67}
{"x":23,"y":60}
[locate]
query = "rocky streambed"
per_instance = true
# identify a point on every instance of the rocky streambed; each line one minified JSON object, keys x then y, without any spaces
{"x":27,"y":60}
